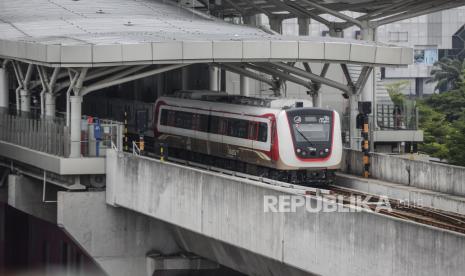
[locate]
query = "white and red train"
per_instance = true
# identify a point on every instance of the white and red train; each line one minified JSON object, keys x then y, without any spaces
{"x":283,"y":139}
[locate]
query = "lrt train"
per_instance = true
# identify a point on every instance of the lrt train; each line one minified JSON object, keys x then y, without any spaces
{"x":282,"y":139}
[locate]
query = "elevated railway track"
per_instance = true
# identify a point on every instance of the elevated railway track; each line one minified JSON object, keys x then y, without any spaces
{"x":349,"y":198}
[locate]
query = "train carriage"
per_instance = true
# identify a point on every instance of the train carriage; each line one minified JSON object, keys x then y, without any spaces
{"x":283,"y":139}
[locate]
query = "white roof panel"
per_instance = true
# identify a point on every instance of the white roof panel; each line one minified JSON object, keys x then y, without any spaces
{"x":106,"y":32}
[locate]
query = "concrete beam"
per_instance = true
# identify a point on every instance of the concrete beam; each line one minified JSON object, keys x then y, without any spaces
{"x":25,"y":194}
{"x":53,"y":163}
{"x":117,"y":239}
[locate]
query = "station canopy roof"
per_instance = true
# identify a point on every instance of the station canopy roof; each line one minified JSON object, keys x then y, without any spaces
{"x":114,"y":32}
{"x":380,"y":11}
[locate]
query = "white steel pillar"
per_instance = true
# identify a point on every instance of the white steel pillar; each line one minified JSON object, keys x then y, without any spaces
{"x":369,"y":91}
{"x":214,"y":86}
{"x":354,"y":132}
{"x":76,"y":110}
{"x":4,"y":93}
{"x":50,"y":106}
{"x":244,"y":83}
{"x":25,"y":98}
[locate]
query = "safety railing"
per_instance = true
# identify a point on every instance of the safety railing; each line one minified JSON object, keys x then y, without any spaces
{"x":135,"y":148}
{"x":396,"y":118}
{"x":388,"y":117}
{"x":52,"y":136}
{"x":99,"y":135}
{"x":45,"y":135}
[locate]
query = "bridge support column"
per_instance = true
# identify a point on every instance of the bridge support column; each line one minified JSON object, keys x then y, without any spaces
{"x":244,"y":83}
{"x":75,"y":125}
{"x":369,"y":91}
{"x":50,"y":106}
{"x":25,"y":98}
{"x":26,"y":194}
{"x":214,"y":86}
{"x":4,"y":93}
{"x":354,"y":133}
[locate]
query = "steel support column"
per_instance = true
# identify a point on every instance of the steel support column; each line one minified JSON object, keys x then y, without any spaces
{"x":244,"y":83}
{"x":25,"y":98}
{"x":76,"y":114}
{"x":4,"y":93}
{"x":353,"y":111}
{"x":368,"y":93}
{"x":50,"y":106}
{"x":214,"y":83}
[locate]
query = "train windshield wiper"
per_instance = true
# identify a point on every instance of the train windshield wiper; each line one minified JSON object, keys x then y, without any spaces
{"x":303,"y":135}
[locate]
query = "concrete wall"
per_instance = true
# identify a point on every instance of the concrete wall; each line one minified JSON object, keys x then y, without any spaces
{"x":230,"y":210}
{"x":426,"y":175}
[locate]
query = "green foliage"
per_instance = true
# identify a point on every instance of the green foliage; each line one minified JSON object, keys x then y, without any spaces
{"x":442,"y":118}
{"x":456,"y":143}
{"x":395,"y":92}
{"x":448,"y":73}
{"x":436,"y":131}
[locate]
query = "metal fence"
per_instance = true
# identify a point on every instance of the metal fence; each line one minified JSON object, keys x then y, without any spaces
{"x":386,"y":119}
{"x":45,"y":135}
{"x":389,"y":117}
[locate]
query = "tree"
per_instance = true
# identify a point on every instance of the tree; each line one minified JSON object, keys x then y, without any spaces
{"x":442,"y":118}
{"x":448,"y":73}
{"x":456,"y":143}
{"x":451,"y":103}
{"x":395,"y":92}
{"x":437,"y":131}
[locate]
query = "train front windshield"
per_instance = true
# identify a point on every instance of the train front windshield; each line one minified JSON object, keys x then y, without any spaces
{"x":311,"y":132}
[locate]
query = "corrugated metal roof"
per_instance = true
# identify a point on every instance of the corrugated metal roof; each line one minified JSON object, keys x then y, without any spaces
{"x":100,"y":32}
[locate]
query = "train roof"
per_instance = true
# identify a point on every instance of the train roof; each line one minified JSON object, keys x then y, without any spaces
{"x":223,"y":97}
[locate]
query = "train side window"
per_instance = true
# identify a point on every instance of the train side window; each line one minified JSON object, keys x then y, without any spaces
{"x":202,"y":123}
{"x":262,"y":132}
{"x":238,"y":128}
{"x":184,"y":120}
{"x":214,"y":125}
{"x":223,"y":126}
{"x":253,"y":127}
{"x":164,"y":117}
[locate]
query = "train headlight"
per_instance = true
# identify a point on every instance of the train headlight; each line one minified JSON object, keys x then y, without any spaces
{"x":326,"y":150}
{"x":298,"y":150}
